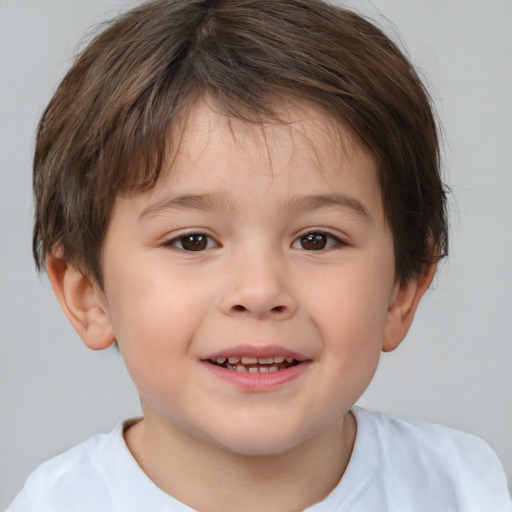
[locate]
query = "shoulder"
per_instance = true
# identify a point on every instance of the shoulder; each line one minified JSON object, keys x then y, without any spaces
{"x":425,"y":458}
{"x":69,"y":478}
{"x":99,"y":474}
{"x":417,"y":437}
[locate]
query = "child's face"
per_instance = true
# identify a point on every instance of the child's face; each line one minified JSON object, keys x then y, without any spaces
{"x":219,"y":261}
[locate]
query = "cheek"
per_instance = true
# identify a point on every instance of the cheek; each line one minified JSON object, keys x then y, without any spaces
{"x":154,"y":323}
{"x":351,"y":319}
{"x":154,"y":313}
{"x":353,"y":303}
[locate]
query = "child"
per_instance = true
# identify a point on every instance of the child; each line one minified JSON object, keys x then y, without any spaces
{"x":245,"y":197}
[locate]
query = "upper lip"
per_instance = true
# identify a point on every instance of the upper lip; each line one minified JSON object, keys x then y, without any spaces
{"x":256,"y":351}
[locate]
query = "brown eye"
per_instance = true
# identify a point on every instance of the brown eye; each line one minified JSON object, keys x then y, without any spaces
{"x":313,"y":241}
{"x":317,"y":241}
{"x":193,"y":242}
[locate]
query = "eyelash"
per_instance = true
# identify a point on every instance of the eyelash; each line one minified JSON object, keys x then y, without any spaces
{"x":329,"y":240}
{"x":202,"y":241}
{"x":200,"y":237}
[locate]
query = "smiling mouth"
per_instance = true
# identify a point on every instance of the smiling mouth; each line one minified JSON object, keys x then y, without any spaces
{"x":255,"y":364}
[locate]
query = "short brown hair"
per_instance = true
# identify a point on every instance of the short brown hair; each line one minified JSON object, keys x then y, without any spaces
{"x":106,"y":129}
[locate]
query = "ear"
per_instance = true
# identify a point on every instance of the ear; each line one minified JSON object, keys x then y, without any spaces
{"x":402,"y":308}
{"x":82,"y":301}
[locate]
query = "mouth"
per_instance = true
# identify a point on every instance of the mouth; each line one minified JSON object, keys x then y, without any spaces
{"x":255,"y":369}
{"x":250,"y":364}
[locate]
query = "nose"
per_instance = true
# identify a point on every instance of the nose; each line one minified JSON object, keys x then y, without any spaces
{"x":258,"y":287}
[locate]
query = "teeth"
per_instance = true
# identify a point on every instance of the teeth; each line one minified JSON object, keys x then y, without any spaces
{"x":253,"y":364}
{"x":255,"y":360}
{"x":257,"y":369}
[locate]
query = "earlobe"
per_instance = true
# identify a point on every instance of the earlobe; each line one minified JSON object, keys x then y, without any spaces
{"x":82,"y":301}
{"x":403,"y":304}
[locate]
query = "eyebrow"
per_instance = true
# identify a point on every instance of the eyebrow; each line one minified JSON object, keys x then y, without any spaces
{"x":207,"y":202}
{"x":221,"y":201}
{"x":320,"y":201}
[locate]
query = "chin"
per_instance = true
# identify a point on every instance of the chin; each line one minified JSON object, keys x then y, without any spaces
{"x":261,"y":442}
{"x":260,"y":450}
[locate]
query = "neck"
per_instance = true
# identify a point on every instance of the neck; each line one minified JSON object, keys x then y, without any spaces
{"x":209,"y":477}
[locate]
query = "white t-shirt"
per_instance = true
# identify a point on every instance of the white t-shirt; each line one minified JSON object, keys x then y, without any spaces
{"x":397,"y":465}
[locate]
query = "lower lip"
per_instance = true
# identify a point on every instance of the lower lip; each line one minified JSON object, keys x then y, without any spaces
{"x":258,"y":381}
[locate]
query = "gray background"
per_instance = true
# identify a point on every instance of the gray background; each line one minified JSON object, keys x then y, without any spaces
{"x":455,"y":366}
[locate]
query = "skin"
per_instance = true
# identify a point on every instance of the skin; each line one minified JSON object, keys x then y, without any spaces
{"x":255,"y":192}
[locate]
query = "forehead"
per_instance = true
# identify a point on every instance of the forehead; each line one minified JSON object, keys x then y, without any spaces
{"x":295,"y":158}
{"x":298,"y":132}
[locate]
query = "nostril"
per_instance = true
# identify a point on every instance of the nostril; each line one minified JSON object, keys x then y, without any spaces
{"x":257,"y":310}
